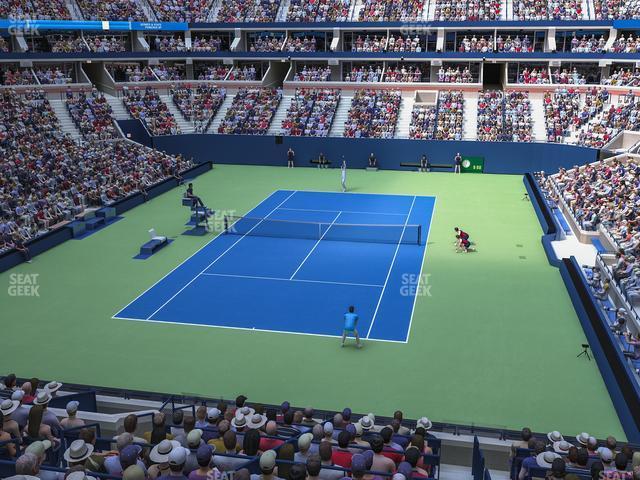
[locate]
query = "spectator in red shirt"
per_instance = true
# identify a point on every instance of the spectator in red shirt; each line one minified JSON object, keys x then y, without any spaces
{"x":271,"y":429}
{"x":342,"y":455}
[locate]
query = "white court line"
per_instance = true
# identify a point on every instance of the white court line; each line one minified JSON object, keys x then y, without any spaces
{"x":186,"y":259}
{"x":220,"y":256}
{"x":426,"y":246}
{"x":291,"y":280}
{"x":262,"y":330}
{"x":387,"y":194}
{"x":342,"y":211}
{"x":314,"y":247}
{"x":390,"y":268}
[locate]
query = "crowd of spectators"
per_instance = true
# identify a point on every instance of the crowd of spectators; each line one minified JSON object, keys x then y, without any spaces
{"x":66,"y":44}
{"x":244,"y":73}
{"x":607,"y":124}
{"x":205,"y":43}
{"x":47,"y":178}
{"x":4,"y":45}
{"x":403,"y":74}
{"x":319,"y":11}
{"x":594,"y":101}
{"x":363,"y":73}
{"x":54,"y":75}
{"x":128,"y":10}
{"x":568,"y":76}
{"x":251,"y":111}
{"x":311,"y":112}
{"x":217,"y":72}
{"x":534,"y":76}
{"x":104,"y":44}
{"x":198,"y":104}
{"x":561,"y":109}
{"x":248,"y":11}
{"x":423,"y":122}
{"x":391,"y":10}
{"x":514,"y":45}
{"x":189,"y":11}
{"x":616,"y":10}
{"x":301,"y":44}
{"x":484,"y":44}
{"x":266,"y":43}
{"x":16,"y":76}
{"x":369,"y":44}
{"x":284,"y":442}
{"x":170,"y":73}
{"x":467,"y":10}
{"x":131,"y":73}
{"x":623,"y":77}
{"x":35,"y":9}
{"x":92,"y":115}
{"x":629,"y":44}
{"x":454,"y":75}
{"x":373,"y":114}
{"x":147,"y":106}
{"x":588,"y":44}
{"x":404,"y":44}
{"x":168,"y":43}
{"x":313,"y":74}
{"x":450,"y":115}
{"x":517,"y":117}
{"x":527,"y":10}
{"x":490,"y":116}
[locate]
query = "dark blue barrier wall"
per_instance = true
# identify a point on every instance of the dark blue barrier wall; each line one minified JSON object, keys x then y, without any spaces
{"x":134,"y":130}
{"x":547,"y":220}
{"x":615,"y":371}
{"x":511,"y":158}
{"x":87,"y":401}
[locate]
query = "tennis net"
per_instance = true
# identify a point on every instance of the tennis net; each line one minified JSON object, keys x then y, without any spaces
{"x":346,"y":232}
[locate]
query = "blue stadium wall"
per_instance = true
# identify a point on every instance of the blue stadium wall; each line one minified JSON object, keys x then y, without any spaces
{"x":500,"y":157}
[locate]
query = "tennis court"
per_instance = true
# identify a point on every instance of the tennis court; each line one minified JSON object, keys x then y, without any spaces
{"x":295,"y":262}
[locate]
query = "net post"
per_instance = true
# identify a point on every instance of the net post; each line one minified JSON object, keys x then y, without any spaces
{"x":226,"y":224}
{"x":419,"y":234}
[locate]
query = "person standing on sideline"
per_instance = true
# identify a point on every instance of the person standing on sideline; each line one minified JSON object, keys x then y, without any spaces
{"x":457,"y":163}
{"x":372,"y":161}
{"x":343,"y":175}
{"x":291,"y":155}
{"x":350,"y":326}
{"x":424,"y":164}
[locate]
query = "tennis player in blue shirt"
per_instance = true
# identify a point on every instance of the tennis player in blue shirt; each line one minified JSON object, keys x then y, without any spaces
{"x":350,"y":324}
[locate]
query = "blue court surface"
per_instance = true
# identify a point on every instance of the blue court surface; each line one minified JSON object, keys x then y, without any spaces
{"x":296,"y":262}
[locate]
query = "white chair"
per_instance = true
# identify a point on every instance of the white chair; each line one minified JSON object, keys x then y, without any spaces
{"x":152,"y":234}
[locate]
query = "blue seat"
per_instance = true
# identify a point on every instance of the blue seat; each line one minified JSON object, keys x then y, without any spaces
{"x":561,"y":220}
{"x":152,"y":246}
{"x":94,"y":223}
{"x":77,"y":228}
{"x":598,"y":244}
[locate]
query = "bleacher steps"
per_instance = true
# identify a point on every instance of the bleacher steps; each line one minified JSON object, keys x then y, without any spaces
{"x":64,"y":117}
{"x":220,"y":114}
{"x":119,"y":110}
{"x":185,"y":125}
{"x":470,"y":115}
{"x":430,"y":11}
{"x":357,"y":5}
{"x":148,"y":10}
{"x":213,"y":13}
{"x":404,"y":117}
{"x":281,"y":16}
{"x":341,"y":116}
{"x":538,"y":129}
{"x":74,"y":10}
{"x":280,"y":115}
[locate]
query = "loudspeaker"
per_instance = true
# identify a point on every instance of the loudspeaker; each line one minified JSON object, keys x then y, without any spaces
{"x":278,"y":139}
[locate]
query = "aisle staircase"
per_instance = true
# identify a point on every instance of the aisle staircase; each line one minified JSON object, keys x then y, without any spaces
{"x":538,"y":129}
{"x":186,"y":126}
{"x":119,"y":110}
{"x":281,"y":113}
{"x":341,"y":116}
{"x":470,"y":125}
{"x":220,"y":114}
{"x":64,"y":117}
{"x":404,"y":117}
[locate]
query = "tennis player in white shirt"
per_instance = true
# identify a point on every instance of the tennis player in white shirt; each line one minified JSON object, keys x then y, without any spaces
{"x":343,"y":175}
